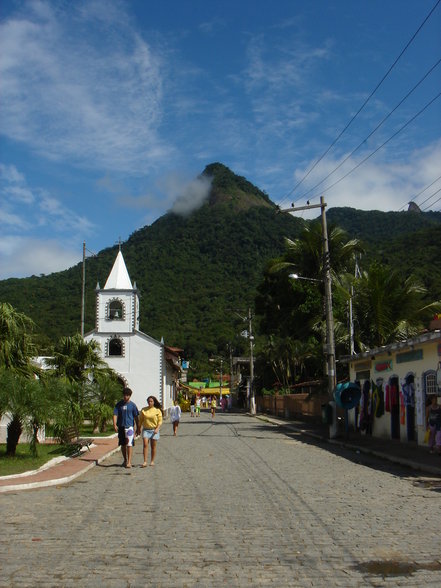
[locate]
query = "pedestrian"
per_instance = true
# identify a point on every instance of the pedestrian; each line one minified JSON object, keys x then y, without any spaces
{"x":198,"y":406}
{"x":175,"y":416}
{"x":433,"y":421}
{"x":150,"y":420}
{"x":192,"y":403}
{"x":213,"y":407}
{"x":125,"y":417}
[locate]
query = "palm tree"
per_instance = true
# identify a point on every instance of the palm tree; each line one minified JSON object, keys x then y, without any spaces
{"x":304,"y":255}
{"x":28,"y":405}
{"x":388,"y":308}
{"x":75,"y":359}
{"x":16,"y":347}
{"x":79,"y":362}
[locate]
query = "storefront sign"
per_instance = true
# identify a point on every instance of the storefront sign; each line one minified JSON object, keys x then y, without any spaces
{"x":413,"y":355}
{"x":383,"y":366}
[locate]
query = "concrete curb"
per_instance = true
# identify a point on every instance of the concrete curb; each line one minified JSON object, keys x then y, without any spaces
{"x":56,"y":481}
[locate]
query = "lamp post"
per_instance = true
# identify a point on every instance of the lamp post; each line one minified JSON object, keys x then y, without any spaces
{"x":250,"y":336}
{"x":330,"y":344}
{"x":220,"y":392}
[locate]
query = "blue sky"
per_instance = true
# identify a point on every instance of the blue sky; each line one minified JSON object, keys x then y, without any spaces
{"x":110,"y":110}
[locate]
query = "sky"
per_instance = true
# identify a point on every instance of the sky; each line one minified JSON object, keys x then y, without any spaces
{"x":110,"y":110}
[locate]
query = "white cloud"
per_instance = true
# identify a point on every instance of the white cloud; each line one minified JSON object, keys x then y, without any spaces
{"x":188,"y":196}
{"x":68,"y":97}
{"x":23,"y":208}
{"x":386,"y":186}
{"x":21,"y":257}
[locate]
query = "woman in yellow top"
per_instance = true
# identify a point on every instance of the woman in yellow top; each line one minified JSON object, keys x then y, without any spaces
{"x":213,"y":406}
{"x":150,"y":419}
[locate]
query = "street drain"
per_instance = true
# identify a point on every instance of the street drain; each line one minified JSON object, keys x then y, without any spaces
{"x":396,"y":568}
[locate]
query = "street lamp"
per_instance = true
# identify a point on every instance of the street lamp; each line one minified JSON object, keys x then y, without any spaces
{"x":297,"y":277}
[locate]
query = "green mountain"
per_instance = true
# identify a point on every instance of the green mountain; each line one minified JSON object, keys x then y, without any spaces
{"x":195,"y":272}
{"x":192,"y":271}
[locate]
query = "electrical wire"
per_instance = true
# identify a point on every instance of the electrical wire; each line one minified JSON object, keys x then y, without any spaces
{"x":374,"y":130}
{"x":427,"y":207}
{"x":378,"y":148}
{"x":363,"y":105}
{"x":419,"y":194}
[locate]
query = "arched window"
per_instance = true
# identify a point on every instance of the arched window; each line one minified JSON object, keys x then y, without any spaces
{"x":115,"y":347}
{"x":115,"y":310}
{"x":429,"y":382}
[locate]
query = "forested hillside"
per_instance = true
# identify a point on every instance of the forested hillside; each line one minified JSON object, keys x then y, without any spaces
{"x":194,"y":271}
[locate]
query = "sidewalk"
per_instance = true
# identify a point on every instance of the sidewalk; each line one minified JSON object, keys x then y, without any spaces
{"x":407,"y":454}
{"x":64,"y":471}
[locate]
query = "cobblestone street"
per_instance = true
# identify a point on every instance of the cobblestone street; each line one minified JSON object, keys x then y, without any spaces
{"x":237,"y":502}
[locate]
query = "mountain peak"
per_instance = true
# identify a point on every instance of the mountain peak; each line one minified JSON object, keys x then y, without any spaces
{"x":233,"y":190}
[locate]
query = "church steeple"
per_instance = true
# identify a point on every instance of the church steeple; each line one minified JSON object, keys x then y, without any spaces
{"x":118,"y":302}
{"x":119,"y":278}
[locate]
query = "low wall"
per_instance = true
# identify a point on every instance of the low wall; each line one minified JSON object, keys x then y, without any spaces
{"x":300,"y":406}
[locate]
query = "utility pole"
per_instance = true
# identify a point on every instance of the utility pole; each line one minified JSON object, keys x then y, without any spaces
{"x":220,"y":393}
{"x":83,"y":289}
{"x":230,"y":349}
{"x":330,"y":344}
{"x":251,"y":337}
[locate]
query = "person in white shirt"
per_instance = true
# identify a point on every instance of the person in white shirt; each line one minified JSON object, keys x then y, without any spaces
{"x":175,"y":417}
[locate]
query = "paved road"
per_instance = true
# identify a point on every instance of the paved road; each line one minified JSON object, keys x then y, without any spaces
{"x":235,"y":503}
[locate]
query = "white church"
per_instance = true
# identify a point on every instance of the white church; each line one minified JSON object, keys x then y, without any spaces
{"x":144,"y":365}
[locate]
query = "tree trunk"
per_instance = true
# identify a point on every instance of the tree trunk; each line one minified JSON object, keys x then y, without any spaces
{"x":14,"y":431}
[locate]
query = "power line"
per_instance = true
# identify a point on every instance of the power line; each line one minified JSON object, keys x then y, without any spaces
{"x":363,"y":105}
{"x":375,"y":129}
{"x":437,"y":200}
{"x":378,"y":148}
{"x":419,"y":194}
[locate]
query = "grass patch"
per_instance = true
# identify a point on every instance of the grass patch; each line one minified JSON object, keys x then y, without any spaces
{"x":23,"y":461}
{"x":87,"y":431}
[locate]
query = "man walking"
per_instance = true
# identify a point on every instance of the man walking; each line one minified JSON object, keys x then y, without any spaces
{"x":125,"y":417}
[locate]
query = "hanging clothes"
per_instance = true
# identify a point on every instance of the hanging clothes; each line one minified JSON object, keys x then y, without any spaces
{"x":380,"y":405}
{"x":402,"y":409}
{"x":366,"y":409}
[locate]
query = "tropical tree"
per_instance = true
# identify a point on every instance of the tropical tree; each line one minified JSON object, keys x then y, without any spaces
{"x":294,"y":309}
{"x":289,"y":358}
{"x":388,"y":308}
{"x":16,"y":346}
{"x":28,"y":405}
{"x":76,"y":359}
{"x":304,"y":255}
{"x":105,"y":392}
